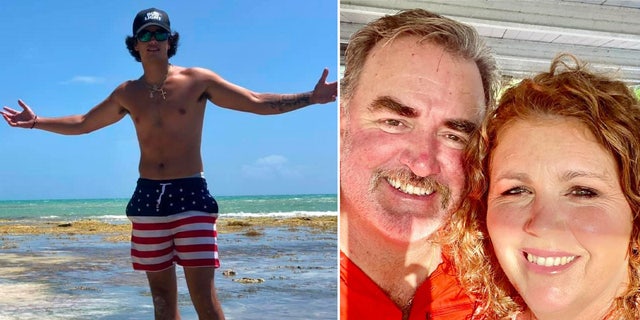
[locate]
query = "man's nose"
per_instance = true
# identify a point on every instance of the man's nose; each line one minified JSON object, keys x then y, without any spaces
{"x":421,"y":157}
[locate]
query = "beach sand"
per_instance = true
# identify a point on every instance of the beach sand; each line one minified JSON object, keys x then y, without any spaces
{"x":81,"y":270}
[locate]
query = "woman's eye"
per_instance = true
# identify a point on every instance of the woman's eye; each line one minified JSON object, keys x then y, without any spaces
{"x":515,"y":191}
{"x":583,"y":192}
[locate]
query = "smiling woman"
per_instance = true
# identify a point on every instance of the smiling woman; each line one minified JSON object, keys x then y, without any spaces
{"x":557,"y":217}
{"x":559,"y":220}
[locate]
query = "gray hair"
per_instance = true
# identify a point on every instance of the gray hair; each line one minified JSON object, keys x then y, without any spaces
{"x":456,"y":38}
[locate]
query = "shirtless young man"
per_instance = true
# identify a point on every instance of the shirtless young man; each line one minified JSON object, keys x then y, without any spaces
{"x":172,"y":212}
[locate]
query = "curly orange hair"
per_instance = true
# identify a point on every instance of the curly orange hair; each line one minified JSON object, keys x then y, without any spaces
{"x":610,"y":110}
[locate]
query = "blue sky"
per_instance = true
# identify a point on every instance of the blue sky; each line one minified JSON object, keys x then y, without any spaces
{"x":64,"y":57}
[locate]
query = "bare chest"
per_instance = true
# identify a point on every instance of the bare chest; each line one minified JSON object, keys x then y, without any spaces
{"x":167,"y":115}
{"x":175,"y":100}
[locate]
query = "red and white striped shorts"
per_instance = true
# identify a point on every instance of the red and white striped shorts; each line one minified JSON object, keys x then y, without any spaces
{"x":188,"y":239}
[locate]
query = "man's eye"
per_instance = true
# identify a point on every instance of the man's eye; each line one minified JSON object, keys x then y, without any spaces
{"x":393,"y":125}
{"x":515,"y":191}
{"x":454,"y":137}
{"x":392,"y":122}
{"x":454,"y":140}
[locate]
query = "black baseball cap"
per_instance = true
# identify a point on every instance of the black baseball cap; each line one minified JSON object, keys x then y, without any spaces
{"x":151,"y":17}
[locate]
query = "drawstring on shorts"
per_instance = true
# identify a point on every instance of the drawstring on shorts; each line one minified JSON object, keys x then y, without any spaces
{"x":164,"y":185}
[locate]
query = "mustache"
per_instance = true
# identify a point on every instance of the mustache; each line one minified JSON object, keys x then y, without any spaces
{"x":405,"y":176}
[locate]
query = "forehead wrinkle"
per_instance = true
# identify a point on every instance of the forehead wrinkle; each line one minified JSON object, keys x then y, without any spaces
{"x":512,"y":175}
{"x":424,"y":78}
{"x":387,"y":103}
{"x":573,"y":174}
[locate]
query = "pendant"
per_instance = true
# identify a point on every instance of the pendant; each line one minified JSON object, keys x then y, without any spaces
{"x":161,"y":90}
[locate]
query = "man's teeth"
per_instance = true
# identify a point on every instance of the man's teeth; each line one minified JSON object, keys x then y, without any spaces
{"x":549,"y":261}
{"x":410,"y":189}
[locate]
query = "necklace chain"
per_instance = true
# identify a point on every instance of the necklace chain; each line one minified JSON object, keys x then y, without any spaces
{"x":157,"y":87}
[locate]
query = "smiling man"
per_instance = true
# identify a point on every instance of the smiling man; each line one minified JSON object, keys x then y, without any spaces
{"x":172,"y":212}
{"x":415,"y":86}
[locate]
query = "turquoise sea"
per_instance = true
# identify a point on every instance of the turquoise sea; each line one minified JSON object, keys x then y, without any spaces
{"x":86,"y":277}
{"x":112,"y":210}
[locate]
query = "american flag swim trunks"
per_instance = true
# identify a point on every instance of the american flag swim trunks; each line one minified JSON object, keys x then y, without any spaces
{"x":173,"y":221}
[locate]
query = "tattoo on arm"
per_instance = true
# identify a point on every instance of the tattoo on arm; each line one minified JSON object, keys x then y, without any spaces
{"x":280,"y":103}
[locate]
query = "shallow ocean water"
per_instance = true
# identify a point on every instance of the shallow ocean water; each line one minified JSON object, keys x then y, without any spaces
{"x":85,"y":277}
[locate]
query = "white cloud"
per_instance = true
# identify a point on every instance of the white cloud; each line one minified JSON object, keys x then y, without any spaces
{"x":271,"y":167}
{"x":84,"y":80}
{"x":272,"y":160}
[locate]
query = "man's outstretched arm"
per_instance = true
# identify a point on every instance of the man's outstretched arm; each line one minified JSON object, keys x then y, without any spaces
{"x":228,"y":95}
{"x":102,"y":115}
